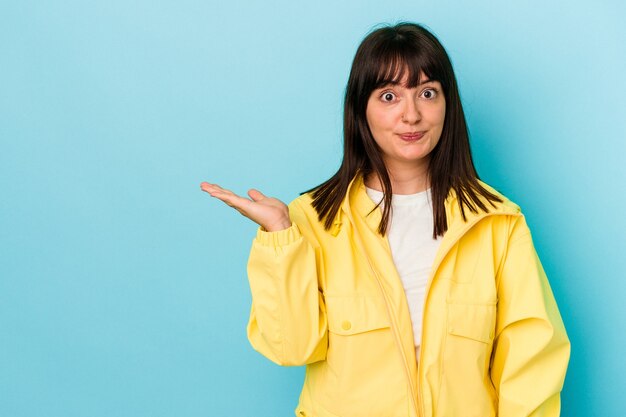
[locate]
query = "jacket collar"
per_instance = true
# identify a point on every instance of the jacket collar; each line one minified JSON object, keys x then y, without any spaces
{"x":359,"y":203}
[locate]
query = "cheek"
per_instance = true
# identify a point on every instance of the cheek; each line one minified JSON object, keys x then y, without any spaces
{"x":377,"y":120}
{"x":386,"y":120}
{"x":438,"y":116}
{"x":442,"y":113}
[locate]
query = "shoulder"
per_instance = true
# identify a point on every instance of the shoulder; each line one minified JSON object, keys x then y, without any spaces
{"x":303,"y":203}
{"x":302,"y":211}
{"x":506,"y":205}
{"x":516,"y":224}
{"x":496,"y":218}
{"x":304,"y":215}
{"x":471,"y":210}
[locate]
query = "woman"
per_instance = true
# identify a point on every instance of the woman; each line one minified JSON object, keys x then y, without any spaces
{"x":405,"y":284}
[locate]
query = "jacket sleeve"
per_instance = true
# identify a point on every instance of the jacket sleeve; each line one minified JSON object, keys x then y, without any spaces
{"x":288,"y":315}
{"x":531,"y":348}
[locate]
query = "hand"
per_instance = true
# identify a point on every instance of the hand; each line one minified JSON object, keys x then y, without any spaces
{"x":270,"y":213}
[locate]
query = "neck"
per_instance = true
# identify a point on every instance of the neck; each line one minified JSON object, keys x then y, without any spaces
{"x":404,"y":179}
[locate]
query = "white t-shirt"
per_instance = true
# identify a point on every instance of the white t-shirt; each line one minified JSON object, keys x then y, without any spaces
{"x":412,"y":247}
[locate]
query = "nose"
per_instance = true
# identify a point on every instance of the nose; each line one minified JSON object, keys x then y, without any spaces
{"x":411,"y":114}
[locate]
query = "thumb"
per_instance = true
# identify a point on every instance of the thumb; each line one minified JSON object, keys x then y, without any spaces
{"x":256,"y":195}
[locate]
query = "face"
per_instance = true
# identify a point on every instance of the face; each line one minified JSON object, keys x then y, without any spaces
{"x":407,"y":122}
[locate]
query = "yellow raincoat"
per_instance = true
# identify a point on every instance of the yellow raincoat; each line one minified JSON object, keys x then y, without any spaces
{"x":493,"y":342}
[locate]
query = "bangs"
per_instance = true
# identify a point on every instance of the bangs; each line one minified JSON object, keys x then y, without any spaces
{"x":399,"y":60}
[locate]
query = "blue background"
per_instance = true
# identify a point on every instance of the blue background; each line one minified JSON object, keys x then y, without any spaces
{"x":123,"y":288}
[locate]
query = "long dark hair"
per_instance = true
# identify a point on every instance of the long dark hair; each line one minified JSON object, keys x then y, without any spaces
{"x":383,"y":58}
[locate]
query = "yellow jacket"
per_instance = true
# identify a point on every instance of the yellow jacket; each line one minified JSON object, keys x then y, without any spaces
{"x":493,"y":342}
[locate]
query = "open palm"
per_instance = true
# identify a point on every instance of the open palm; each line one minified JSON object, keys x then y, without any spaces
{"x":270,"y":213}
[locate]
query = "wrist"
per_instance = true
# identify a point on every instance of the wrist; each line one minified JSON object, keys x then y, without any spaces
{"x":278,"y":226}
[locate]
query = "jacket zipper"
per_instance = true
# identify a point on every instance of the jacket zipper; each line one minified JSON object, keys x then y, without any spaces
{"x":391,"y":318}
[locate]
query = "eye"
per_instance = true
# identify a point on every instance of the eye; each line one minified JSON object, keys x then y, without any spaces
{"x":387,"y":96}
{"x":430,"y":93}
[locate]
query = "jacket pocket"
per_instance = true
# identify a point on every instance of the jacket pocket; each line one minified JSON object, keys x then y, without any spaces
{"x":465,"y":383}
{"x":351,"y":315}
{"x":361,"y":361}
{"x":472,"y":321}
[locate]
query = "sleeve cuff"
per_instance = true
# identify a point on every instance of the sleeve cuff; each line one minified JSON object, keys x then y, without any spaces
{"x":280,"y":238}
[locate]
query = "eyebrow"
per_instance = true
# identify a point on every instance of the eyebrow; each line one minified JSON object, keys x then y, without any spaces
{"x":423,"y":82}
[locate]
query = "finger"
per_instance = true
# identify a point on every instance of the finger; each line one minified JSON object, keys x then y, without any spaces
{"x":205,"y":186}
{"x":208,"y":187}
{"x":214,"y":188}
{"x":256,"y":195}
{"x":231,"y":199}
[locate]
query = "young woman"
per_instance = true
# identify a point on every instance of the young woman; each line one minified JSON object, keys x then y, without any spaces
{"x":406,"y":285}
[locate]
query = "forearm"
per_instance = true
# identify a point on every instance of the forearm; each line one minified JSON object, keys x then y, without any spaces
{"x":288,"y":318}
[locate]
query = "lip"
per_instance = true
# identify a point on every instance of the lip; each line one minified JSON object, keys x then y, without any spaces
{"x":412,"y":136}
